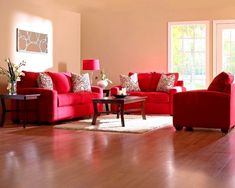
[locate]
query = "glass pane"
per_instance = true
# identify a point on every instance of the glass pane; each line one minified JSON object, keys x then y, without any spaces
{"x":228,"y":50}
{"x":189,"y":54}
{"x":200,"y":44}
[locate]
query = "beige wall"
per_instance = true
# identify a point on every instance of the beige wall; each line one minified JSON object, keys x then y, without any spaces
{"x":126,"y":35}
{"x":131,"y":35}
{"x":62,"y":27}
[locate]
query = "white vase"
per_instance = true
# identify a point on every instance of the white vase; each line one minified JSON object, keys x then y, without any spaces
{"x":102,"y":83}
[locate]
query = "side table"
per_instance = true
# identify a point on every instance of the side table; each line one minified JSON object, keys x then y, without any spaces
{"x":17,"y":98}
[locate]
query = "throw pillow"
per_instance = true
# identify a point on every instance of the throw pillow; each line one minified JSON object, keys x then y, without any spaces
{"x":44,"y":81}
{"x":81,"y":82}
{"x":130,"y":83}
{"x":166,"y":82}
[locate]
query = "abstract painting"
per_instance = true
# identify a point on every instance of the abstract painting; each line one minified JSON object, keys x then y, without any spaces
{"x":28,"y":41}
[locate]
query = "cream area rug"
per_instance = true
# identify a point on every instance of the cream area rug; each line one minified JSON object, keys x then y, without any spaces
{"x":133,"y":124}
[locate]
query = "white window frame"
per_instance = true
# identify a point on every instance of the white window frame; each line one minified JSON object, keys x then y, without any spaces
{"x":207,"y":23}
{"x":215,"y":61}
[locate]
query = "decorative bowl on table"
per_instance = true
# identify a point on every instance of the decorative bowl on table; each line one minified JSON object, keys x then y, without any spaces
{"x":119,"y":96}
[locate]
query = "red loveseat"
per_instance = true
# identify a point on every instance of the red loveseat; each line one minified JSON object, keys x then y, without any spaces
{"x":211,"y":108}
{"x":157,"y":102}
{"x":60,"y":103}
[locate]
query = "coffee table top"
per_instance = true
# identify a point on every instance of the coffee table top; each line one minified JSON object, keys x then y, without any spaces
{"x":127,"y":99}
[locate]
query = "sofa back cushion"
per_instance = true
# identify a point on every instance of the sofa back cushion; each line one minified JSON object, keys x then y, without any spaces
{"x":144,"y":80}
{"x":28,"y":80}
{"x":61,"y":81}
{"x":221,"y":82}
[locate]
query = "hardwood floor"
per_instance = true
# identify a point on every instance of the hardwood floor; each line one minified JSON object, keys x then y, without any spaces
{"x":53,"y":158}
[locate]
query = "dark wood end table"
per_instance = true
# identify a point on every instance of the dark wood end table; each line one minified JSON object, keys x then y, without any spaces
{"x":120,"y":102}
{"x":17,"y":98}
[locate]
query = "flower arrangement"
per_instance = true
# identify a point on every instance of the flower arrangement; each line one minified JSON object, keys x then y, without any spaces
{"x":104,"y":77}
{"x":13,"y":73}
{"x":104,"y":81}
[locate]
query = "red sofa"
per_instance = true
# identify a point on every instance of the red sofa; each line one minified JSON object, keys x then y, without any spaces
{"x":60,"y":103}
{"x":211,"y":108}
{"x":157,"y":102}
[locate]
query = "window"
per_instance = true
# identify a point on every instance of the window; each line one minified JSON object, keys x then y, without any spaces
{"x":188,"y":52}
{"x":224,"y":46}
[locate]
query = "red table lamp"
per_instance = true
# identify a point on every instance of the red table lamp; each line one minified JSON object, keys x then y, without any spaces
{"x":91,"y":64}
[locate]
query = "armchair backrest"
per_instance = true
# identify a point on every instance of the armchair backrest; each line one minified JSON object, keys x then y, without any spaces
{"x":222,"y":83}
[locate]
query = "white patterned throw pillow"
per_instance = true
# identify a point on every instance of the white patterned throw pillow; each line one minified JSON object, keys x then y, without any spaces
{"x":81,"y":82}
{"x":166,"y":82}
{"x":130,"y":83}
{"x":45,"y":81}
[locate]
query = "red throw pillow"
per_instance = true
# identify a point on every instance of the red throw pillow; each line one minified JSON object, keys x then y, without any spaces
{"x":221,"y":82}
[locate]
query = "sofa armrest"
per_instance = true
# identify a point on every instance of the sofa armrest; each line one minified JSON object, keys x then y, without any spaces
{"x":176,"y":89}
{"x":97,"y":89}
{"x":201,"y":102}
{"x":114,"y":90}
{"x":173,"y":91}
{"x":179,"y":83}
{"x":202,"y":97}
{"x":47,"y":104}
{"x":41,"y":91}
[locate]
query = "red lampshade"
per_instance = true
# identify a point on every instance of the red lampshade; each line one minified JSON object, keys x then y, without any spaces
{"x":91,"y":64}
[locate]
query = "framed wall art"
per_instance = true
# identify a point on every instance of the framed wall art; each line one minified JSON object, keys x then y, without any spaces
{"x":28,"y":41}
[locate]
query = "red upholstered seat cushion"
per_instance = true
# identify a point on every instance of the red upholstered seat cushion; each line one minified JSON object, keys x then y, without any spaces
{"x":70,"y":99}
{"x":61,"y":81}
{"x":28,"y":80}
{"x":153,"y":97}
{"x":144,"y":80}
{"x":221,"y":82}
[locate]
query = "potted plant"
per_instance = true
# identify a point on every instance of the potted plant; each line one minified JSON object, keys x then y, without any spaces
{"x":13,"y":74}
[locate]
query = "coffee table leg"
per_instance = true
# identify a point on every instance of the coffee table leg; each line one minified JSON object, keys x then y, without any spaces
{"x":95,"y":113}
{"x":118,"y":110}
{"x":122,"y":114}
{"x":143,"y":110}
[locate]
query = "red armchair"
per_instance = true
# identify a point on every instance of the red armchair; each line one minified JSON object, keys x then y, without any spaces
{"x":211,"y":108}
